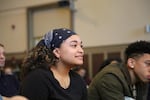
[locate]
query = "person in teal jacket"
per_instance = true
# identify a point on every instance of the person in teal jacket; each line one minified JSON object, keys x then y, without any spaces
{"x":126,"y":81}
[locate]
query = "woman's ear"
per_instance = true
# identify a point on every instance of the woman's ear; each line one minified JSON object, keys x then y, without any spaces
{"x":130,"y":63}
{"x":56,"y":52}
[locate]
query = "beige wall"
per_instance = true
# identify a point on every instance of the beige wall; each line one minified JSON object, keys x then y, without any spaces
{"x":98,"y":22}
{"x":17,"y":4}
{"x":14,"y":12}
{"x":15,"y":40}
{"x":104,"y":22}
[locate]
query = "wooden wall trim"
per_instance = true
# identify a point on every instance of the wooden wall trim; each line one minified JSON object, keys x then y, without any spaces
{"x":19,"y":55}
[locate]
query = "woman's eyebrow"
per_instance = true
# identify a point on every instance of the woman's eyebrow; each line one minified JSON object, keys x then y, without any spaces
{"x":75,"y":41}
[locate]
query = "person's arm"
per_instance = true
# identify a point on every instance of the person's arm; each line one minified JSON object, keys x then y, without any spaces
{"x":14,"y":98}
{"x":111,"y":88}
{"x":1,"y":97}
{"x":106,"y":88}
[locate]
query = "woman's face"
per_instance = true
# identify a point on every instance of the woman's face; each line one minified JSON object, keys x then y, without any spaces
{"x":142,"y":67}
{"x":71,"y":51}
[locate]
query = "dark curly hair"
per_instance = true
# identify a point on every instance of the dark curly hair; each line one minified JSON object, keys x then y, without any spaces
{"x":38,"y":57}
{"x":137,"y":49}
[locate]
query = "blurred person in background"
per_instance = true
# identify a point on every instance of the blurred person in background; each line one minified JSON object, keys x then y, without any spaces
{"x":6,"y":82}
{"x":8,"y":70}
{"x":83,"y":73}
{"x":109,"y":61}
{"x":9,"y":86}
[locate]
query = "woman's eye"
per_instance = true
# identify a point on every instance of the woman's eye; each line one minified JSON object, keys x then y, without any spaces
{"x":74,"y":45}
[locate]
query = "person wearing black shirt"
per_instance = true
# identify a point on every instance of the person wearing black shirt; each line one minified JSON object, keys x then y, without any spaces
{"x":46,"y":71}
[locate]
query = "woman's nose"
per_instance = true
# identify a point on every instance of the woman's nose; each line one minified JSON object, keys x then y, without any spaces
{"x":81,"y":49}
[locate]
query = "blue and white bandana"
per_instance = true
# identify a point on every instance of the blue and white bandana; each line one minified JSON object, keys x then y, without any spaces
{"x":54,"y":38}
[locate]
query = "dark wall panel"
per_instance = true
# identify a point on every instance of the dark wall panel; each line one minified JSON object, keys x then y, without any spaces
{"x":97,"y":59}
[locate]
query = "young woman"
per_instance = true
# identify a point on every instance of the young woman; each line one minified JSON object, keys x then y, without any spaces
{"x":47,"y":71}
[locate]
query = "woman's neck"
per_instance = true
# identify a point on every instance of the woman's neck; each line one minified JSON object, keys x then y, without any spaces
{"x":60,"y":70}
{"x":61,"y":74}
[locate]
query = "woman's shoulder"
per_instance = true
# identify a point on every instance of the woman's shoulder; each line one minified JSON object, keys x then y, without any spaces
{"x":38,"y":71}
{"x":38,"y":74}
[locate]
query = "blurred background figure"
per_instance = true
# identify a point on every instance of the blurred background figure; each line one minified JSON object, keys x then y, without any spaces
{"x":83,"y":73}
{"x":8,"y":70}
{"x":16,"y":66}
{"x":109,"y":61}
{"x":15,"y":83}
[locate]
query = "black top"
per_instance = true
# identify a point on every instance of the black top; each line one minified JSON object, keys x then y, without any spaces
{"x":41,"y":85}
{"x":9,"y":85}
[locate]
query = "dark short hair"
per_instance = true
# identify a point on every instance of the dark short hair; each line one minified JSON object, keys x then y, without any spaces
{"x":136,"y":49}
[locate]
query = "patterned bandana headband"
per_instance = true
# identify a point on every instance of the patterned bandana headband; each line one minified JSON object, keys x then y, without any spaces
{"x":54,"y":38}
